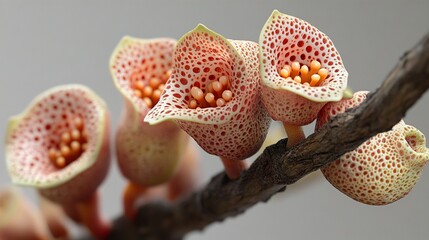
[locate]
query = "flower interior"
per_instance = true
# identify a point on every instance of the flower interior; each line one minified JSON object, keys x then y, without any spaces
{"x":415,"y":140}
{"x":141,"y":67}
{"x":216,"y":94}
{"x":313,"y":75}
{"x":149,"y":90}
{"x":70,"y":144}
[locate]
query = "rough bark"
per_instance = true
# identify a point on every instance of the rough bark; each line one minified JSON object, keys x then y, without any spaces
{"x":277,"y":166}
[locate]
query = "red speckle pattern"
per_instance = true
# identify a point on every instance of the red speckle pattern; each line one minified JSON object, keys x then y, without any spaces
{"x":384,"y":168}
{"x":332,"y":109}
{"x":140,"y":59}
{"x":283,"y":40}
{"x":147,"y":155}
{"x":234,"y":131}
{"x":39,"y":128}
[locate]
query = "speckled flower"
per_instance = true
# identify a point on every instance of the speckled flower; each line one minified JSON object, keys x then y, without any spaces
{"x":381,"y":170}
{"x":147,"y":155}
{"x":213,"y":94}
{"x":60,"y":145}
{"x":300,"y":71}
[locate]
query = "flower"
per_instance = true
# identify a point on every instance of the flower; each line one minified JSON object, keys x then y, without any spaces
{"x":60,"y":145}
{"x":381,"y":170}
{"x":213,"y":94}
{"x":300,"y":71}
{"x":147,"y":155}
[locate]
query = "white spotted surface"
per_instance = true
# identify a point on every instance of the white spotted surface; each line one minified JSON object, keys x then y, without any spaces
{"x":285,"y":39}
{"x":37,"y":129}
{"x":381,"y":170}
{"x":235,"y":130}
{"x":332,"y":109}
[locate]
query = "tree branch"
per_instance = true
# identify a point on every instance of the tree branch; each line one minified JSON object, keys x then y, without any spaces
{"x":278,"y":167}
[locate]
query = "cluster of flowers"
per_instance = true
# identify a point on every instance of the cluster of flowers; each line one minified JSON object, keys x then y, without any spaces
{"x":223,"y":93}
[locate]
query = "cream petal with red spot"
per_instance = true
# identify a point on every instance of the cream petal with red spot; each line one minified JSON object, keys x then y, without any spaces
{"x":283,"y":40}
{"x":381,"y":170}
{"x":233,"y":131}
{"x":31,"y":134}
{"x":147,"y":155}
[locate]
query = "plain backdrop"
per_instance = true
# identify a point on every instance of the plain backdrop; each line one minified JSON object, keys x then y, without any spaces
{"x":48,"y":43}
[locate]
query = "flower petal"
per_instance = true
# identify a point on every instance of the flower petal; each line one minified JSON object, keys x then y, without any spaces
{"x":147,"y":155}
{"x":201,"y":56}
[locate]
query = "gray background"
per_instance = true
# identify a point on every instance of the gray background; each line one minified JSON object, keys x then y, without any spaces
{"x":47,"y":43}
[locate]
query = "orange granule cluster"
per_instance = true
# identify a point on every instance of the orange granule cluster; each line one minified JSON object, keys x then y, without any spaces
{"x":72,"y":144}
{"x":217,"y":94}
{"x":311,"y":76}
{"x":150,"y":92}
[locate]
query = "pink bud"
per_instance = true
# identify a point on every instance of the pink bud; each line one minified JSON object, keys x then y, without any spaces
{"x":381,"y":170}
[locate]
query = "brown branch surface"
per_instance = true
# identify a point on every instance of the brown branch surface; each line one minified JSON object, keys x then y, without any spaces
{"x":278,"y":167}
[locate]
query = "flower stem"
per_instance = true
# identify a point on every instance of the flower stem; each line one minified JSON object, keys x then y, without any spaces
{"x":87,"y":213}
{"x":295,"y":134}
{"x":131,"y":193}
{"x":185,"y":179}
{"x":233,"y":168}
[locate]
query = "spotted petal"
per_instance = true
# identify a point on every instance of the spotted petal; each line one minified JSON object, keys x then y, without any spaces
{"x":283,"y":40}
{"x":147,"y":155}
{"x":139,"y":59}
{"x":31,"y":134}
{"x":235,"y":130}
